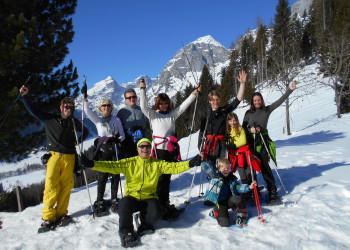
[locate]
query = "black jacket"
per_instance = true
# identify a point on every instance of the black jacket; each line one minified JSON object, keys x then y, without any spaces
{"x":59,"y":132}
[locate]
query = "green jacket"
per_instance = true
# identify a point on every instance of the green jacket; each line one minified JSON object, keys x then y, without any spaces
{"x":141,"y":175}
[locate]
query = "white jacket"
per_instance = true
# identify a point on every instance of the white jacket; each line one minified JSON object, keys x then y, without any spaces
{"x":163,"y":125}
{"x":113,"y":127}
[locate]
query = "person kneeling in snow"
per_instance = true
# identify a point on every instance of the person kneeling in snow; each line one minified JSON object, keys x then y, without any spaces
{"x":224,"y":191}
{"x":141,"y":175}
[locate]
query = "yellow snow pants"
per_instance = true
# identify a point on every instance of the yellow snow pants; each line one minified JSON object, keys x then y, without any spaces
{"x":59,"y":182}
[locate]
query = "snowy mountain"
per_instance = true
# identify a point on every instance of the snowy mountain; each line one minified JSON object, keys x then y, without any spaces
{"x":300,"y":7}
{"x":313,"y":163}
{"x":183,"y":69}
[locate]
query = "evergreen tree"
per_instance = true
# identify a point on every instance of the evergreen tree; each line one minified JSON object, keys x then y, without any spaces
{"x":34,"y":38}
{"x":228,"y":88}
{"x":260,"y":46}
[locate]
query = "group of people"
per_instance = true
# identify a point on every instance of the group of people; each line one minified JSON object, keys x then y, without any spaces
{"x":122,"y":147}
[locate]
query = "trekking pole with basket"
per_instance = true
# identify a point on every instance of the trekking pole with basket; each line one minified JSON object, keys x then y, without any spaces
{"x":80,"y":147}
{"x":256,"y":194}
{"x":268,"y":152}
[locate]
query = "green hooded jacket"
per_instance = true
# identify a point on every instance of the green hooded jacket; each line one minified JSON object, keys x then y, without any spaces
{"x":141,"y":175}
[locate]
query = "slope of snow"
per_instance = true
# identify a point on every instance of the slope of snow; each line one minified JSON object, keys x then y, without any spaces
{"x":313,"y":164}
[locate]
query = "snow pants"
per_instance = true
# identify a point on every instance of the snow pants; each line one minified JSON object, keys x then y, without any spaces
{"x":59,"y":182}
{"x":234,"y":202}
{"x":150,"y":211}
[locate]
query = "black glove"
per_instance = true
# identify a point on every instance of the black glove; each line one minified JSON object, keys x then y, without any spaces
{"x":231,"y":146}
{"x":85,"y":162}
{"x":195,"y":161}
{"x":115,"y":139}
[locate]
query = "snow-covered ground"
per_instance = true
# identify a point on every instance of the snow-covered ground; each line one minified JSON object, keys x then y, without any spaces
{"x":313,"y":164}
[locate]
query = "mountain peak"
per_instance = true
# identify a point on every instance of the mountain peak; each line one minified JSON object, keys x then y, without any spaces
{"x":208,"y":40}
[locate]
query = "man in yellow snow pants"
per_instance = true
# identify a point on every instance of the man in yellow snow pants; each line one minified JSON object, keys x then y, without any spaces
{"x":60,"y":129}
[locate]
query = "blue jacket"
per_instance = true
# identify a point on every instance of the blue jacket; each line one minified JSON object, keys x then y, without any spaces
{"x":213,"y":192}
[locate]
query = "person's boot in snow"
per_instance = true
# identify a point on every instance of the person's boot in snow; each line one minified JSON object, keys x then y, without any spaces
{"x":64,"y":220}
{"x":171,"y":212}
{"x":144,"y":229}
{"x":46,"y":226}
{"x":128,"y":240}
{"x":101,"y":208}
{"x":242,"y":218}
{"x":273,"y":198}
{"x":115,"y":205}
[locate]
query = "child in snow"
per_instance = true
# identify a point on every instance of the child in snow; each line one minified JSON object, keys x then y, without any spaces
{"x":239,"y":153}
{"x":224,"y":191}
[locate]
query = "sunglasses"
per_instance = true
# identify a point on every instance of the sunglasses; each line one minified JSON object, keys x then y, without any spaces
{"x":163,"y":103}
{"x":130,"y":97}
{"x":72,"y":108}
{"x":106,"y":105}
{"x":145,"y":146}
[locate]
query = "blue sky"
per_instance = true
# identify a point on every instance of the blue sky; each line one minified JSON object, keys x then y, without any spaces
{"x":127,"y":38}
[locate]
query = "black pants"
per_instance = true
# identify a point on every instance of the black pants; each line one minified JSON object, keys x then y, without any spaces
{"x":150,"y":211}
{"x":234,"y":202}
{"x":128,"y":146}
{"x":163,"y":187}
{"x":101,"y":185}
{"x":266,"y":170}
{"x":103,"y":178}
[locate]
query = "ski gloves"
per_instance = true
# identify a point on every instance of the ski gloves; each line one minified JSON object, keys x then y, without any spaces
{"x":84,"y":161}
{"x":195,"y":161}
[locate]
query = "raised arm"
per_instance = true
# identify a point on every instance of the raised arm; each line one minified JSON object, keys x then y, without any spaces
{"x":89,"y":113}
{"x":242,"y":78}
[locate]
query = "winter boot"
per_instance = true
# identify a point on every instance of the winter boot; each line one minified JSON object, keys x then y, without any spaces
{"x":64,"y":220}
{"x":242,"y":218}
{"x":115,"y":205}
{"x":171,"y":212}
{"x":129,"y":240}
{"x":101,"y":208}
{"x":144,"y":229}
{"x":273,"y":198}
{"x":47,"y":226}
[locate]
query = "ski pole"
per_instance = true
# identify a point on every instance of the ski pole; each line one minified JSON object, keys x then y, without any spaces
{"x":194,"y":114}
{"x":279,"y":177}
{"x":116,"y":155}
{"x":7,"y":112}
{"x":256,"y":194}
{"x":187,"y":202}
{"x":84,"y":91}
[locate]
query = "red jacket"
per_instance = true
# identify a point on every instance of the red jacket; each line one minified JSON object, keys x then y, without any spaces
{"x":243,"y":157}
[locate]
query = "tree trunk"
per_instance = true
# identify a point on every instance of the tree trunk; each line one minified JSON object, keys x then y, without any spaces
{"x":288,"y":117}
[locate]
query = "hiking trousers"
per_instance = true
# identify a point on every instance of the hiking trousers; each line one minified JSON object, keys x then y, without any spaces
{"x":59,"y":182}
{"x":150,"y":211}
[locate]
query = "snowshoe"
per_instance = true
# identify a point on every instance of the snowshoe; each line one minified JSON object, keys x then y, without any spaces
{"x":129,"y":240}
{"x":242,"y":219}
{"x":64,"y":220}
{"x":274,"y":199}
{"x":214,"y":213}
{"x":115,"y":205}
{"x":171,"y":212}
{"x":144,"y":229}
{"x":47,"y":226}
{"x":101,"y":208}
